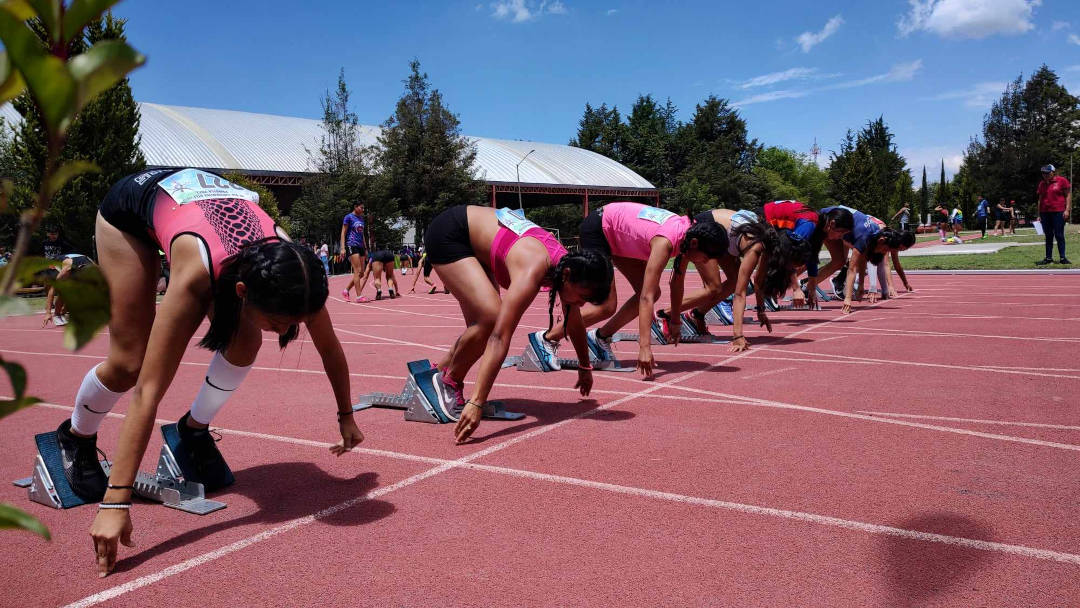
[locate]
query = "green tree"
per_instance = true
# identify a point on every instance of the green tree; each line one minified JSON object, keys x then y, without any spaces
{"x":105,"y":132}
{"x":793,"y":176}
{"x":713,"y":149}
{"x":647,"y":138}
{"x":1033,"y":123}
{"x":425,"y":163}
{"x":942,"y":196}
{"x":345,"y":175}
{"x":602,"y":131}
{"x":865,"y":172}
{"x":924,"y":197}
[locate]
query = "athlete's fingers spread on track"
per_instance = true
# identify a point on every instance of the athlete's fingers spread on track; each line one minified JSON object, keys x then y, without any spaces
{"x":811,"y":302}
{"x":739,"y":344}
{"x":470,"y":419}
{"x":645,"y":363}
{"x":872,"y":297}
{"x":763,"y":319}
{"x":798,"y":300}
{"x":109,"y":526}
{"x":847,"y":307}
{"x":584,"y":382}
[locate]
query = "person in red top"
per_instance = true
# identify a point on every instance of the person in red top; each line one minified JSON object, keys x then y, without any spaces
{"x":1055,"y":205}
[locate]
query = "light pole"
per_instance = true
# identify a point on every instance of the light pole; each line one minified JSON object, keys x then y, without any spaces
{"x":517,"y":170}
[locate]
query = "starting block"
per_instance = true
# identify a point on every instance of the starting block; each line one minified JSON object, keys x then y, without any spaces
{"x":529,"y":362}
{"x":687,"y":335}
{"x":418,"y":399}
{"x":49,"y":486}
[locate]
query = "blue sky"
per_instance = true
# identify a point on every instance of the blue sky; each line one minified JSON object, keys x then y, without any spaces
{"x":524,"y":69}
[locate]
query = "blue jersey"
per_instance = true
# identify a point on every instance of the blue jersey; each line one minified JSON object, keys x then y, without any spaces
{"x":983,"y":209}
{"x":354,"y":231}
{"x":865,"y":227}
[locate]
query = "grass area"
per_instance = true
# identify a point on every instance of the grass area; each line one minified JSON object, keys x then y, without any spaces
{"x":1010,"y":258}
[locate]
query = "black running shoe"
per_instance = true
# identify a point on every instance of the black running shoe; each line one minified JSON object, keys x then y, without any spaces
{"x":1044,"y":262}
{"x":211,"y":469}
{"x":378,"y":295}
{"x":81,"y":467}
{"x":1064,"y":261}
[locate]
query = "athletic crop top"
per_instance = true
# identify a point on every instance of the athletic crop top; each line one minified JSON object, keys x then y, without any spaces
{"x":739,"y":218}
{"x":512,"y":228}
{"x":629,"y":229}
{"x":865,"y":227}
{"x":224,"y":217}
{"x":793,"y":217}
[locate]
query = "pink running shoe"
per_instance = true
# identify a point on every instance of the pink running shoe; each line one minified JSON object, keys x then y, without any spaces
{"x":362,"y":299}
{"x":345,"y":294}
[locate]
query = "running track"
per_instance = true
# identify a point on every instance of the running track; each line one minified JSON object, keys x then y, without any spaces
{"x":920,"y":452}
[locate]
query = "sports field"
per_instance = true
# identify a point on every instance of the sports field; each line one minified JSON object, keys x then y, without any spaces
{"x":920,"y":452}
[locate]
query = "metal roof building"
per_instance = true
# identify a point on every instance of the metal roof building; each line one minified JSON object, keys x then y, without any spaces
{"x":274,"y":150}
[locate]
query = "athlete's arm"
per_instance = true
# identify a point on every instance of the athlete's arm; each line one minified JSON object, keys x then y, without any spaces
{"x":676,"y":287}
{"x":895,"y":255}
{"x":747,"y":265}
{"x":659,"y":254}
{"x":178,"y":317}
{"x":344,"y":252}
{"x":857,"y":260}
{"x":522,"y":292}
{"x":337,"y":370}
{"x":575,"y":330}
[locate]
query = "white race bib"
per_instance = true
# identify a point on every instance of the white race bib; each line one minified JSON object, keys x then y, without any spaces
{"x":658,"y":216}
{"x":514,"y":221}
{"x":192,"y":185}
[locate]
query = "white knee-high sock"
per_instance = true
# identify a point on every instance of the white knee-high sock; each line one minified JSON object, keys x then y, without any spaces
{"x":222,"y":378}
{"x":92,"y":403}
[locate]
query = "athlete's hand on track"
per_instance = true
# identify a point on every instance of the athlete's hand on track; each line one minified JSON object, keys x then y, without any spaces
{"x":110,"y":526}
{"x":764,"y":321}
{"x":908,"y":287}
{"x":48,"y":319}
{"x":470,"y":419}
{"x":645,"y":362}
{"x":739,"y":344}
{"x":798,"y":300}
{"x":811,"y":301}
{"x":584,"y":382}
{"x":350,"y":436}
{"x":674,"y":329}
{"x":872,"y":297}
{"x":847,"y":306}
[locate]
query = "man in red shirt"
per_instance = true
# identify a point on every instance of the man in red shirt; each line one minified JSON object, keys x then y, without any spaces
{"x":1055,"y":205}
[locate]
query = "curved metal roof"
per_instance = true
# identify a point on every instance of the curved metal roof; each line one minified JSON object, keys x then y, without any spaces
{"x":226,"y":139}
{"x":178,"y":136}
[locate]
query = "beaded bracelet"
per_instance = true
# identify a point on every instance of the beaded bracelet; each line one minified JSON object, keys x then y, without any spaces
{"x":586,"y":368}
{"x":114,"y":505}
{"x":471,"y":402}
{"x":341,"y":415}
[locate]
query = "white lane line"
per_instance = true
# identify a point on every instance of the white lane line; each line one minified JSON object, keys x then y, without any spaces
{"x":1038,"y":425}
{"x":813,"y":518}
{"x":778,"y":370}
{"x":918,"y":333}
{"x":391,"y":340}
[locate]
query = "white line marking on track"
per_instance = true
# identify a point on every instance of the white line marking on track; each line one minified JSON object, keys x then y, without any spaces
{"x":1039,"y":425}
{"x":778,"y":370}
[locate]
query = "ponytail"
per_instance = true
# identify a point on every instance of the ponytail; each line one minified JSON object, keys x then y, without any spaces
{"x":711,"y":237}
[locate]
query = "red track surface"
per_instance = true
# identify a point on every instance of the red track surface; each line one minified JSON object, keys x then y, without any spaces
{"x":920,"y":452}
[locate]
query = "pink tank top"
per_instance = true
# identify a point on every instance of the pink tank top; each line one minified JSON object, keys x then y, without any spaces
{"x":630,"y":228}
{"x":222,"y":216}
{"x":513,"y":228}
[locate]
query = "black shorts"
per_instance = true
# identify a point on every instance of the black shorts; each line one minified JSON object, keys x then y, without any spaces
{"x":592,"y":233}
{"x":447,"y":237}
{"x":129,"y":204}
{"x":383,"y":256}
{"x":427,"y":267}
{"x":355,"y":250}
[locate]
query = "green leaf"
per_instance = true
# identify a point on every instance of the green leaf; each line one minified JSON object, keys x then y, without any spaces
{"x":17,"y":375}
{"x":86,"y":296}
{"x":13,"y":518}
{"x":47,"y":77}
{"x":11,"y":81}
{"x":21,"y":9}
{"x":49,"y":13}
{"x":28,"y":268}
{"x":103,"y":66}
{"x":66,"y":172}
{"x":81,"y":13}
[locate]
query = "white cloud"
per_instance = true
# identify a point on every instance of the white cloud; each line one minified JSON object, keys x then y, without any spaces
{"x":1074,"y":39}
{"x":520,"y":11}
{"x":1060,"y":25}
{"x":612,"y":11}
{"x":969,"y":18}
{"x":808,"y":40}
{"x":898,"y":73}
{"x":789,"y":74}
{"x":980,"y":95}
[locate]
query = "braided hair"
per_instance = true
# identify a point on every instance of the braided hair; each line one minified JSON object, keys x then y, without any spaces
{"x":588,"y":268}
{"x":711,"y":237}
{"x":777,"y":251}
{"x":282,"y":278}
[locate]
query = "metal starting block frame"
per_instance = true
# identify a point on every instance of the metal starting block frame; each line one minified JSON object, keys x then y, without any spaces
{"x":166,"y":486}
{"x":417,"y":405}
{"x":528,"y":362}
{"x":687,"y":335}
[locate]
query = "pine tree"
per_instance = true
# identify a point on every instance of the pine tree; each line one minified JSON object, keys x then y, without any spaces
{"x":943,"y":196}
{"x":426,"y":164}
{"x":924,"y":198}
{"x":106,"y":133}
{"x":864,"y":174}
{"x":602,"y":131}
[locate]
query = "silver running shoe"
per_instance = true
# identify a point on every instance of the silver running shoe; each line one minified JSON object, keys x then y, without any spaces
{"x":546,"y":350}
{"x":450,"y":394}
{"x":600,"y":347}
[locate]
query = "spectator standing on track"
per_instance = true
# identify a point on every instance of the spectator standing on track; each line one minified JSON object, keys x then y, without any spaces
{"x":1055,"y":207}
{"x":1001,"y":214}
{"x":324,"y":257}
{"x":905,"y":217}
{"x":982,"y":213}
